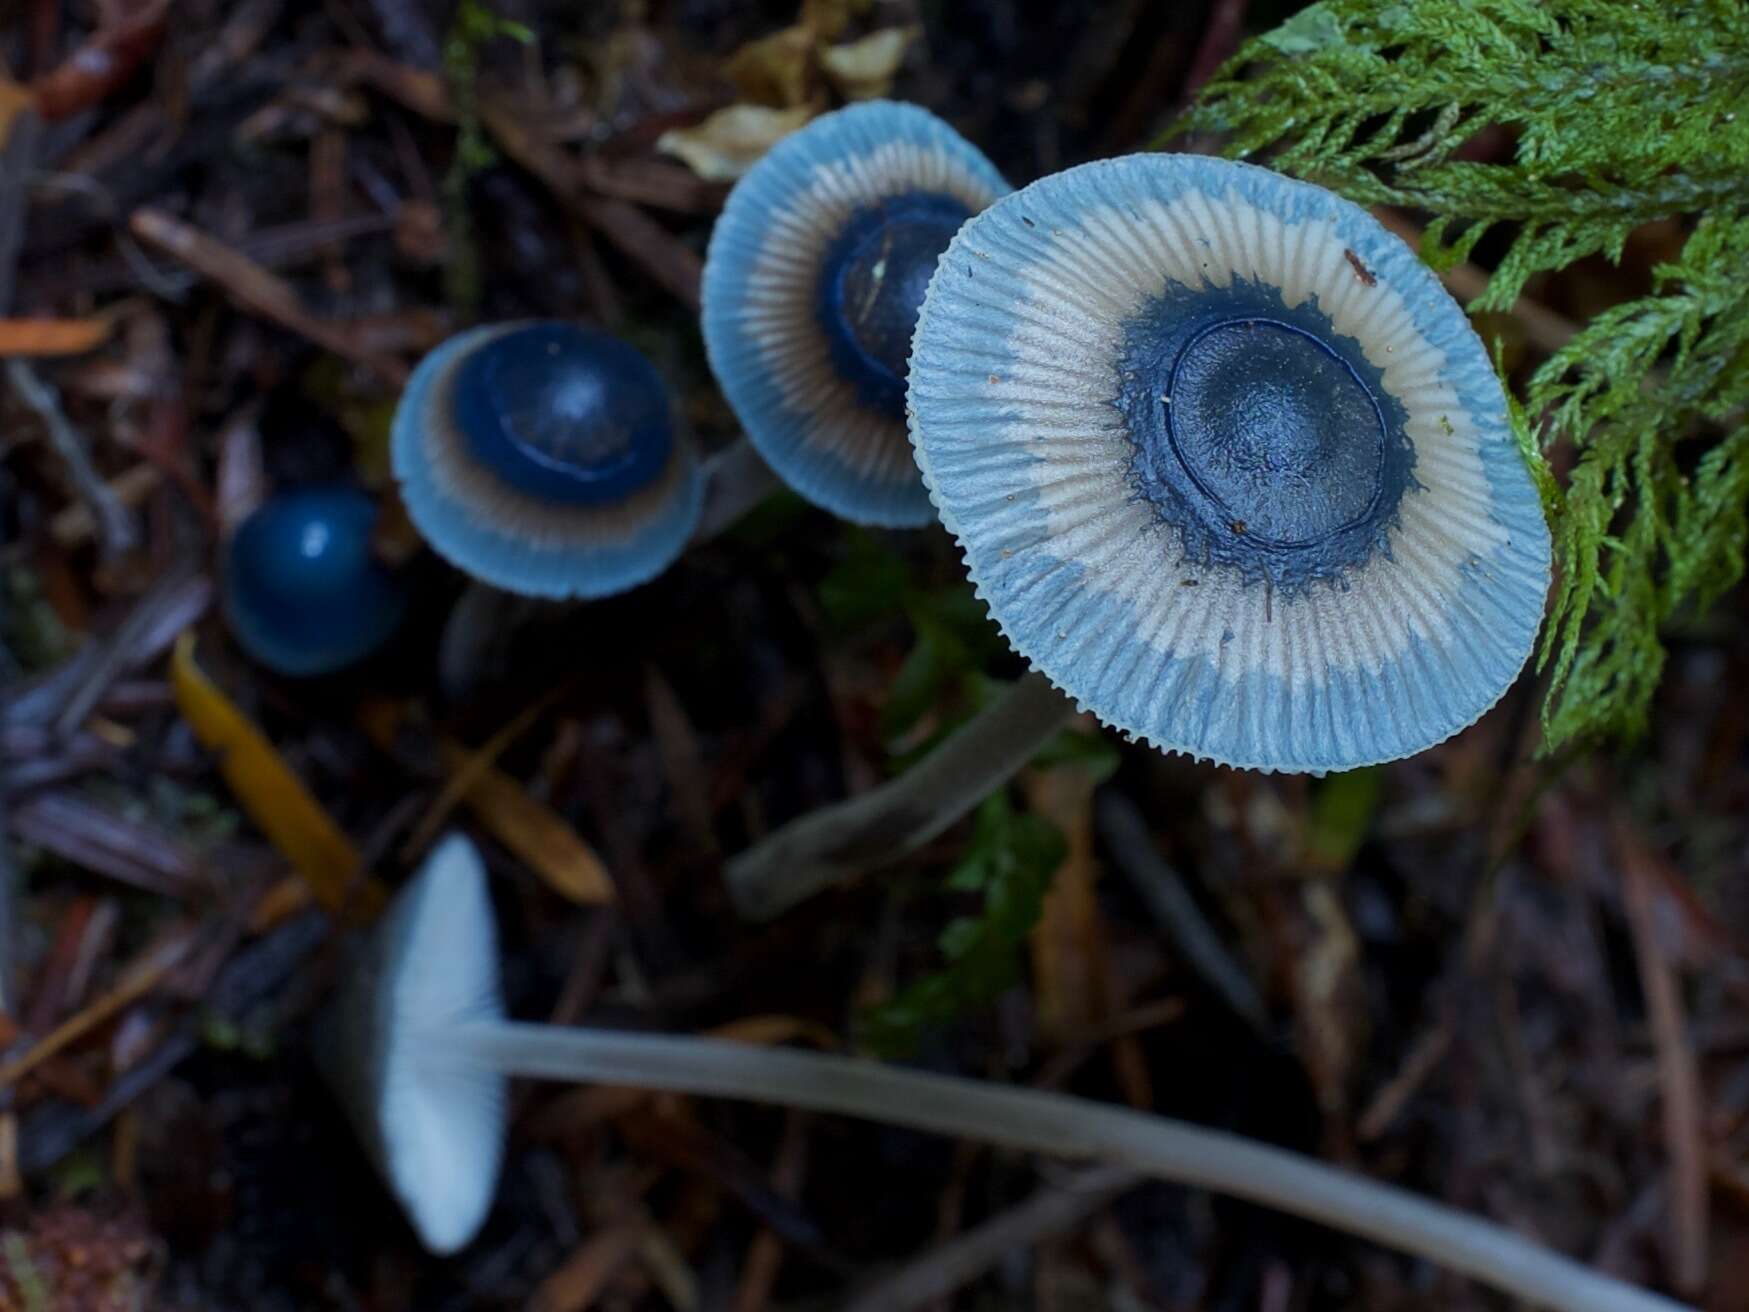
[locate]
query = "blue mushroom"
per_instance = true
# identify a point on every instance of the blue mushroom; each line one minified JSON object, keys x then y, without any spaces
{"x":545,"y":459}
{"x":1228,"y":464}
{"x":303,"y":593}
{"x":811,"y":287}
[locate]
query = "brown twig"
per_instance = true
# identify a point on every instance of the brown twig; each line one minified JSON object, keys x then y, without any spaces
{"x":280,"y":247}
{"x":175,"y":601}
{"x":255,"y":290}
{"x":32,"y":757}
{"x":104,"y":62}
{"x":147,"y":972}
{"x":676,"y":1138}
{"x":475,"y":767}
{"x":676,"y":267}
{"x":1067,"y":944}
{"x":765,"y":1253}
{"x":258,"y":972}
{"x":1133,"y":852}
{"x":17,"y":160}
{"x":328,"y":189}
{"x":51,"y":337}
{"x":131,"y":487}
{"x":18,"y":154}
{"x":1684,"y":1136}
{"x":1053,"y":1210}
{"x":1220,"y":37}
{"x":582,"y":1277}
{"x":85,"y":933}
{"x":681,"y":757}
{"x":640,"y":238}
{"x":117,"y":532}
{"x":1422,"y":1060}
{"x":1056,"y":1072}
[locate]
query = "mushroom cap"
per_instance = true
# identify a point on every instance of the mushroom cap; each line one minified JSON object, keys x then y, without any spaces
{"x":302,"y":591}
{"x":432,"y":1118}
{"x":811,"y":287}
{"x":1228,"y":464}
{"x":545,"y":459}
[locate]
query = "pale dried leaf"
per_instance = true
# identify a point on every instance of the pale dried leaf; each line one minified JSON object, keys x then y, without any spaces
{"x":537,"y":835}
{"x":774,"y":70}
{"x":269,"y":791}
{"x":863,"y":69}
{"x":730,"y":141}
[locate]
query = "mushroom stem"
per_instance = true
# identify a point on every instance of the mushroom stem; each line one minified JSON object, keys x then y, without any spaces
{"x":478,"y":635}
{"x":830,"y":845}
{"x":735,"y":480}
{"x":1056,"y":1124}
{"x":485,"y":618}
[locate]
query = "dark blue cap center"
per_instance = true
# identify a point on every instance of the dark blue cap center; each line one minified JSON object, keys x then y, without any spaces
{"x":1276,"y":430}
{"x":564,"y":414}
{"x":304,"y":593}
{"x":872,"y":284}
{"x":1263,"y":435}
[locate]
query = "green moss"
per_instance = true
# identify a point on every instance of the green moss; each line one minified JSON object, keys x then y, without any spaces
{"x":29,"y":627}
{"x":1010,"y":862}
{"x":475,"y":26}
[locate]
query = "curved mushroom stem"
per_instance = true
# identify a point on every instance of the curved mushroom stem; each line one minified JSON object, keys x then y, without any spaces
{"x":485,"y":619}
{"x":1059,"y":1125}
{"x":735,"y":480}
{"x":477,"y":636}
{"x":830,"y":845}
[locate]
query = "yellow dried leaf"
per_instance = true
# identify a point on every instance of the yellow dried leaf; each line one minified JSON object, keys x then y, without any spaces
{"x":536,"y":834}
{"x":269,"y":792}
{"x":863,"y":69}
{"x":14,"y":100}
{"x":774,"y":69}
{"x":730,"y":141}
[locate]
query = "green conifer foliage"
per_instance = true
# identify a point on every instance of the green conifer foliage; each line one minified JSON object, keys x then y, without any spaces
{"x":1617,"y":113}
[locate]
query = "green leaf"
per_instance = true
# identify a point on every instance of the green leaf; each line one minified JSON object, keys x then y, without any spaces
{"x":1093,"y":752}
{"x":935,"y":662}
{"x":1010,"y":861}
{"x":474,"y":26}
{"x":1342,"y":811}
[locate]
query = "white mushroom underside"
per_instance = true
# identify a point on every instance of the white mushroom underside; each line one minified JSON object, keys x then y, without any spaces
{"x":442,"y":1115}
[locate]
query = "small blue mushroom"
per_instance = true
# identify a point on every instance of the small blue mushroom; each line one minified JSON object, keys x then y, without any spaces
{"x":545,"y":459}
{"x":811,"y":287}
{"x":1228,"y":464}
{"x":303,"y":593}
